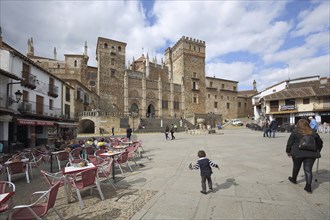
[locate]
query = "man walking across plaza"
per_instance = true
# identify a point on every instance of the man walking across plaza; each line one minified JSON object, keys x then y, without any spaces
{"x":272,"y":128}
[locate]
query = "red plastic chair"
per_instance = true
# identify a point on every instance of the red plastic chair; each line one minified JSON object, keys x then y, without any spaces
{"x":39,"y":208}
{"x":96,"y":160}
{"x":85,"y":179}
{"x":15,"y":168}
{"x":6,"y":205}
{"x":123,"y":158}
{"x":62,"y":156}
{"x":89,"y":150}
{"x":35,"y":163}
{"x":105,"y":170}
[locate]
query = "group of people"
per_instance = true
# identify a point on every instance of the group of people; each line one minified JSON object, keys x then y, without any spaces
{"x":171,"y":130}
{"x":269,"y":128}
{"x":300,"y":156}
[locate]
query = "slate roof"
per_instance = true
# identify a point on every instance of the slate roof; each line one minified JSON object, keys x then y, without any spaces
{"x":301,"y":90}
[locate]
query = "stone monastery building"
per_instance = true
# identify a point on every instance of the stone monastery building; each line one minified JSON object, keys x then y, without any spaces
{"x":177,"y":87}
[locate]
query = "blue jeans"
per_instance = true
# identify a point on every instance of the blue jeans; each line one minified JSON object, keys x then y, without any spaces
{"x":272,"y":131}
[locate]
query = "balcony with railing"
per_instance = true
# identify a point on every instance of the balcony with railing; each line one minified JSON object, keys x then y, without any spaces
{"x":53,"y":90}
{"x":29,"y":80}
{"x":32,"y":108}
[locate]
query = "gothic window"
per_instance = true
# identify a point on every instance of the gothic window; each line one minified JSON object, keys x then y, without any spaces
{"x":215,"y":104}
{"x":222,"y":86}
{"x":112,"y":61}
{"x":234,"y":88}
{"x":119,"y":48}
{"x":75,"y":63}
{"x":134,"y":108}
{"x":176,"y":105}
{"x":211,"y":84}
{"x":228,"y":105}
{"x":194,"y":75}
{"x":113,"y":73}
{"x":239,"y":104}
{"x":245,"y":105}
{"x":165,"y":104}
{"x":105,"y":45}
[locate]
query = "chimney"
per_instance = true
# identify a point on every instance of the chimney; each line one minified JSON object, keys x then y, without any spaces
{"x":55,"y":54}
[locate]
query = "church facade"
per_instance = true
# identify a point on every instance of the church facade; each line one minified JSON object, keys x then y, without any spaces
{"x":175,"y":87}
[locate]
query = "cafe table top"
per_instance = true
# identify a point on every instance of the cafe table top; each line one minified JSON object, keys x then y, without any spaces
{"x":74,"y":169}
{"x":112,"y":153}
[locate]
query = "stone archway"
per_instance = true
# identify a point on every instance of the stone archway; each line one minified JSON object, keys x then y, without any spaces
{"x":86,"y":126}
{"x":150,"y":111}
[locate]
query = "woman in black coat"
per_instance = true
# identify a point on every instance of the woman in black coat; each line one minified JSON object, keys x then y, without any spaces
{"x":307,"y":158}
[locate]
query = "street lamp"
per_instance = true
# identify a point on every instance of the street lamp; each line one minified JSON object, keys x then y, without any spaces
{"x":18,"y":95}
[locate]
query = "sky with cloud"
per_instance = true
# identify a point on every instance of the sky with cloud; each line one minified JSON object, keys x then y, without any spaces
{"x":266,"y":41}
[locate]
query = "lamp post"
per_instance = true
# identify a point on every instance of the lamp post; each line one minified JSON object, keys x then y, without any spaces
{"x":18,"y":95}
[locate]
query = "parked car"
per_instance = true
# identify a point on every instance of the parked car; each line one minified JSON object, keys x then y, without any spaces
{"x":237,"y":122}
{"x":286,"y":127}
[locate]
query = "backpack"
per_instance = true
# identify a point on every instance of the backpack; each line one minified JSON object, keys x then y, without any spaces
{"x":308,"y":143}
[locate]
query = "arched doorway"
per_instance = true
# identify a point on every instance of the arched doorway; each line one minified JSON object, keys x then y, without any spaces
{"x":150,"y":111}
{"x":86,"y":127}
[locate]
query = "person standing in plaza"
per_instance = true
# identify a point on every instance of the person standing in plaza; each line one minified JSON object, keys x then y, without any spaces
{"x":167,"y":130}
{"x":305,"y":157}
{"x":205,"y":166}
{"x":129,"y":132}
{"x":172,"y":132}
{"x":265,"y":127}
{"x":272,"y":128}
{"x":113,"y":130}
{"x":313,"y":124}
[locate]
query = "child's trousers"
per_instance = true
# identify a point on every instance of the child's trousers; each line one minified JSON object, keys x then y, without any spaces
{"x":209,"y":181}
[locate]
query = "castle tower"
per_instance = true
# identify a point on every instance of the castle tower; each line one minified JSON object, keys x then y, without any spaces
{"x":254,"y":85}
{"x":186,"y":62}
{"x":110,"y":55}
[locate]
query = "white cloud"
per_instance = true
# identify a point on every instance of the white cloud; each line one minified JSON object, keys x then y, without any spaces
{"x":257,"y":28}
{"x":312,"y":21}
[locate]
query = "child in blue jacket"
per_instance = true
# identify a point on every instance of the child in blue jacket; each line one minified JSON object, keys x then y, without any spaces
{"x":205,"y":165}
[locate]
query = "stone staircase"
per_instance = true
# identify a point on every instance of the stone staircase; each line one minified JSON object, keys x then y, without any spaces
{"x":153,"y":125}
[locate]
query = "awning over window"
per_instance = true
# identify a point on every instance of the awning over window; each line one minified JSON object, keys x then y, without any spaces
{"x":31,"y":122}
{"x":66,"y":124}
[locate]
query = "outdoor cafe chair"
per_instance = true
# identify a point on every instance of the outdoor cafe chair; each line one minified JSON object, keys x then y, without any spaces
{"x":6,"y":204}
{"x":123,"y":159}
{"x":35,"y":162}
{"x":88,"y":150}
{"x":62,"y":156}
{"x":85,"y":179}
{"x":96,"y":160}
{"x":105,"y":171}
{"x":40,"y":207}
{"x":16,"y":168}
{"x":131,"y":154}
